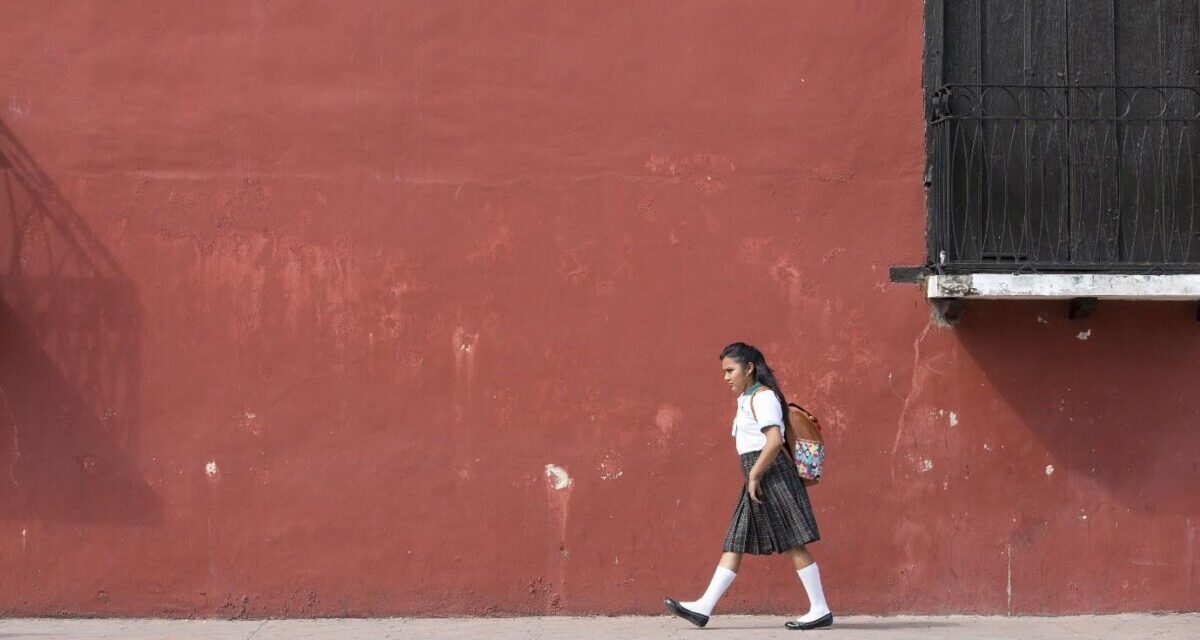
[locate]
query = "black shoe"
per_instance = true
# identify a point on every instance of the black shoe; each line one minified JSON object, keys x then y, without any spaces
{"x":691,"y":616}
{"x":824,"y":621}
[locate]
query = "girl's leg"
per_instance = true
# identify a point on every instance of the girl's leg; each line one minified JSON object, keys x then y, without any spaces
{"x":732,"y":561}
{"x":801,"y":557}
{"x":810,"y":577}
{"x":722,"y":578}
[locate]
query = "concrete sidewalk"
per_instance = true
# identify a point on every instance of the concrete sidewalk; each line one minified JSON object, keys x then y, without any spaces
{"x":1122,"y":627}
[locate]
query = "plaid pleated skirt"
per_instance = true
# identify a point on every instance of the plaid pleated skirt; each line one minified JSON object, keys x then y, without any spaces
{"x":783,"y":520}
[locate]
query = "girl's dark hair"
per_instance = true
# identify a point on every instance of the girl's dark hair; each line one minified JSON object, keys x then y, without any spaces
{"x":746,"y":354}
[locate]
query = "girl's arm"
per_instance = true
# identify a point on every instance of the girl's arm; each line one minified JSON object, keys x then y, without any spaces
{"x":774,"y":444}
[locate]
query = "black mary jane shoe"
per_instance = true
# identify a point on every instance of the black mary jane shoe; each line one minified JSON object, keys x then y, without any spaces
{"x":824,"y":621}
{"x":697,"y":619}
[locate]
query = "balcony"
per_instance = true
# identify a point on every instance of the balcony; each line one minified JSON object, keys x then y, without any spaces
{"x":1063,"y":192}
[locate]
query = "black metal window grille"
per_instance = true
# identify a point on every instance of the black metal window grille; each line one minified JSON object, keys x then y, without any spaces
{"x":1063,"y":136}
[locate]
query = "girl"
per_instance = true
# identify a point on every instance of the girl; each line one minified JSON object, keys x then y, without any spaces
{"x":772,"y":514}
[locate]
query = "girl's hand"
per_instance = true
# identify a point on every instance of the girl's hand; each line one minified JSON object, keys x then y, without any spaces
{"x":752,"y":489}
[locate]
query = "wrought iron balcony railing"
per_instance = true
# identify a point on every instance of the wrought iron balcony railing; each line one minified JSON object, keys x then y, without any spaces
{"x":1064,"y":179}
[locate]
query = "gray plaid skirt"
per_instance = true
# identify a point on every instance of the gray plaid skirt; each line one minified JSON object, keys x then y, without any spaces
{"x":783,"y":520}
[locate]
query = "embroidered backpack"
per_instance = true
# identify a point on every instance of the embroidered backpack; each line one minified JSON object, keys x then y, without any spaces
{"x":804,"y":439}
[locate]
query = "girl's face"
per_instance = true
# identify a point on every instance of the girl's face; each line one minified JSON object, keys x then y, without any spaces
{"x":738,"y":376}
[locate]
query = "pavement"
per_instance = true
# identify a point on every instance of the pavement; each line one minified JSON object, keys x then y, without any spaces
{"x":1122,"y":627}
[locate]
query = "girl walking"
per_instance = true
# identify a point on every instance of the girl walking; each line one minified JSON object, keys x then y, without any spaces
{"x":773,"y":514}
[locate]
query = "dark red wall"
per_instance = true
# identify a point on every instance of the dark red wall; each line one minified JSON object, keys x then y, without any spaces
{"x":301,"y":299}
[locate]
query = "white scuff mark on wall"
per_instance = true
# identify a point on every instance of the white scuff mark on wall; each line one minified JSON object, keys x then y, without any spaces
{"x":926,"y":465}
{"x":464,"y":474}
{"x":464,"y":346}
{"x":1049,"y":469}
{"x":1008,"y":579}
{"x":953,"y":419}
{"x":558,"y":477}
{"x":610,"y":467}
{"x":558,"y":503}
{"x":667,"y":419}
{"x":251,"y":422}
{"x":461,"y":343}
{"x":19,"y":107}
{"x":1042,"y":319}
{"x":1084,"y":335}
{"x":211,"y":468}
{"x":1190,"y":528}
{"x":919,"y":374}
{"x":24,"y":538}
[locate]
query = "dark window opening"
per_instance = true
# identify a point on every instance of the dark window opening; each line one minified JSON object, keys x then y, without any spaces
{"x":1063,"y":135}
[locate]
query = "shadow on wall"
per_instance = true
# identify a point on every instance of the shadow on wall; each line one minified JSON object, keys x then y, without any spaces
{"x":69,"y":361}
{"x":1113,"y":399}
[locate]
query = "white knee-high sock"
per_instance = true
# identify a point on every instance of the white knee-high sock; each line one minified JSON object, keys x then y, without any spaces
{"x":810,"y":577}
{"x":720,"y":582}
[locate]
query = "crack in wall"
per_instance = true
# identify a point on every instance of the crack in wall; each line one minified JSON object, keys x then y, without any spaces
{"x":913,"y":386}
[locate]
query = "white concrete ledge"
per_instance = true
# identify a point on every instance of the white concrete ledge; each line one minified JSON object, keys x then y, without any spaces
{"x":1059,"y":286}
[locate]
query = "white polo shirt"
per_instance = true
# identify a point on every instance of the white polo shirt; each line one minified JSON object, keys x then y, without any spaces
{"x":747,"y":432}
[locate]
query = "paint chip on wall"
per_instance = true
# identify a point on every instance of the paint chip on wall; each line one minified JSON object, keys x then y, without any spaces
{"x":667,"y":418}
{"x":1084,"y":335}
{"x":1049,"y":469}
{"x":558,"y":477}
{"x":211,"y":468}
{"x":610,"y":467}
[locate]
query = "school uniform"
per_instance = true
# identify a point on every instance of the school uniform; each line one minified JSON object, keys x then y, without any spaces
{"x":784,"y":518}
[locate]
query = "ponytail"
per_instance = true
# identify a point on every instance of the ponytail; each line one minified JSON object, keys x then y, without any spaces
{"x":746,"y":354}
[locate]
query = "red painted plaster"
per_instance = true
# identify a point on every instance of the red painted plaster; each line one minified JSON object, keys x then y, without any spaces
{"x":300,"y":300}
